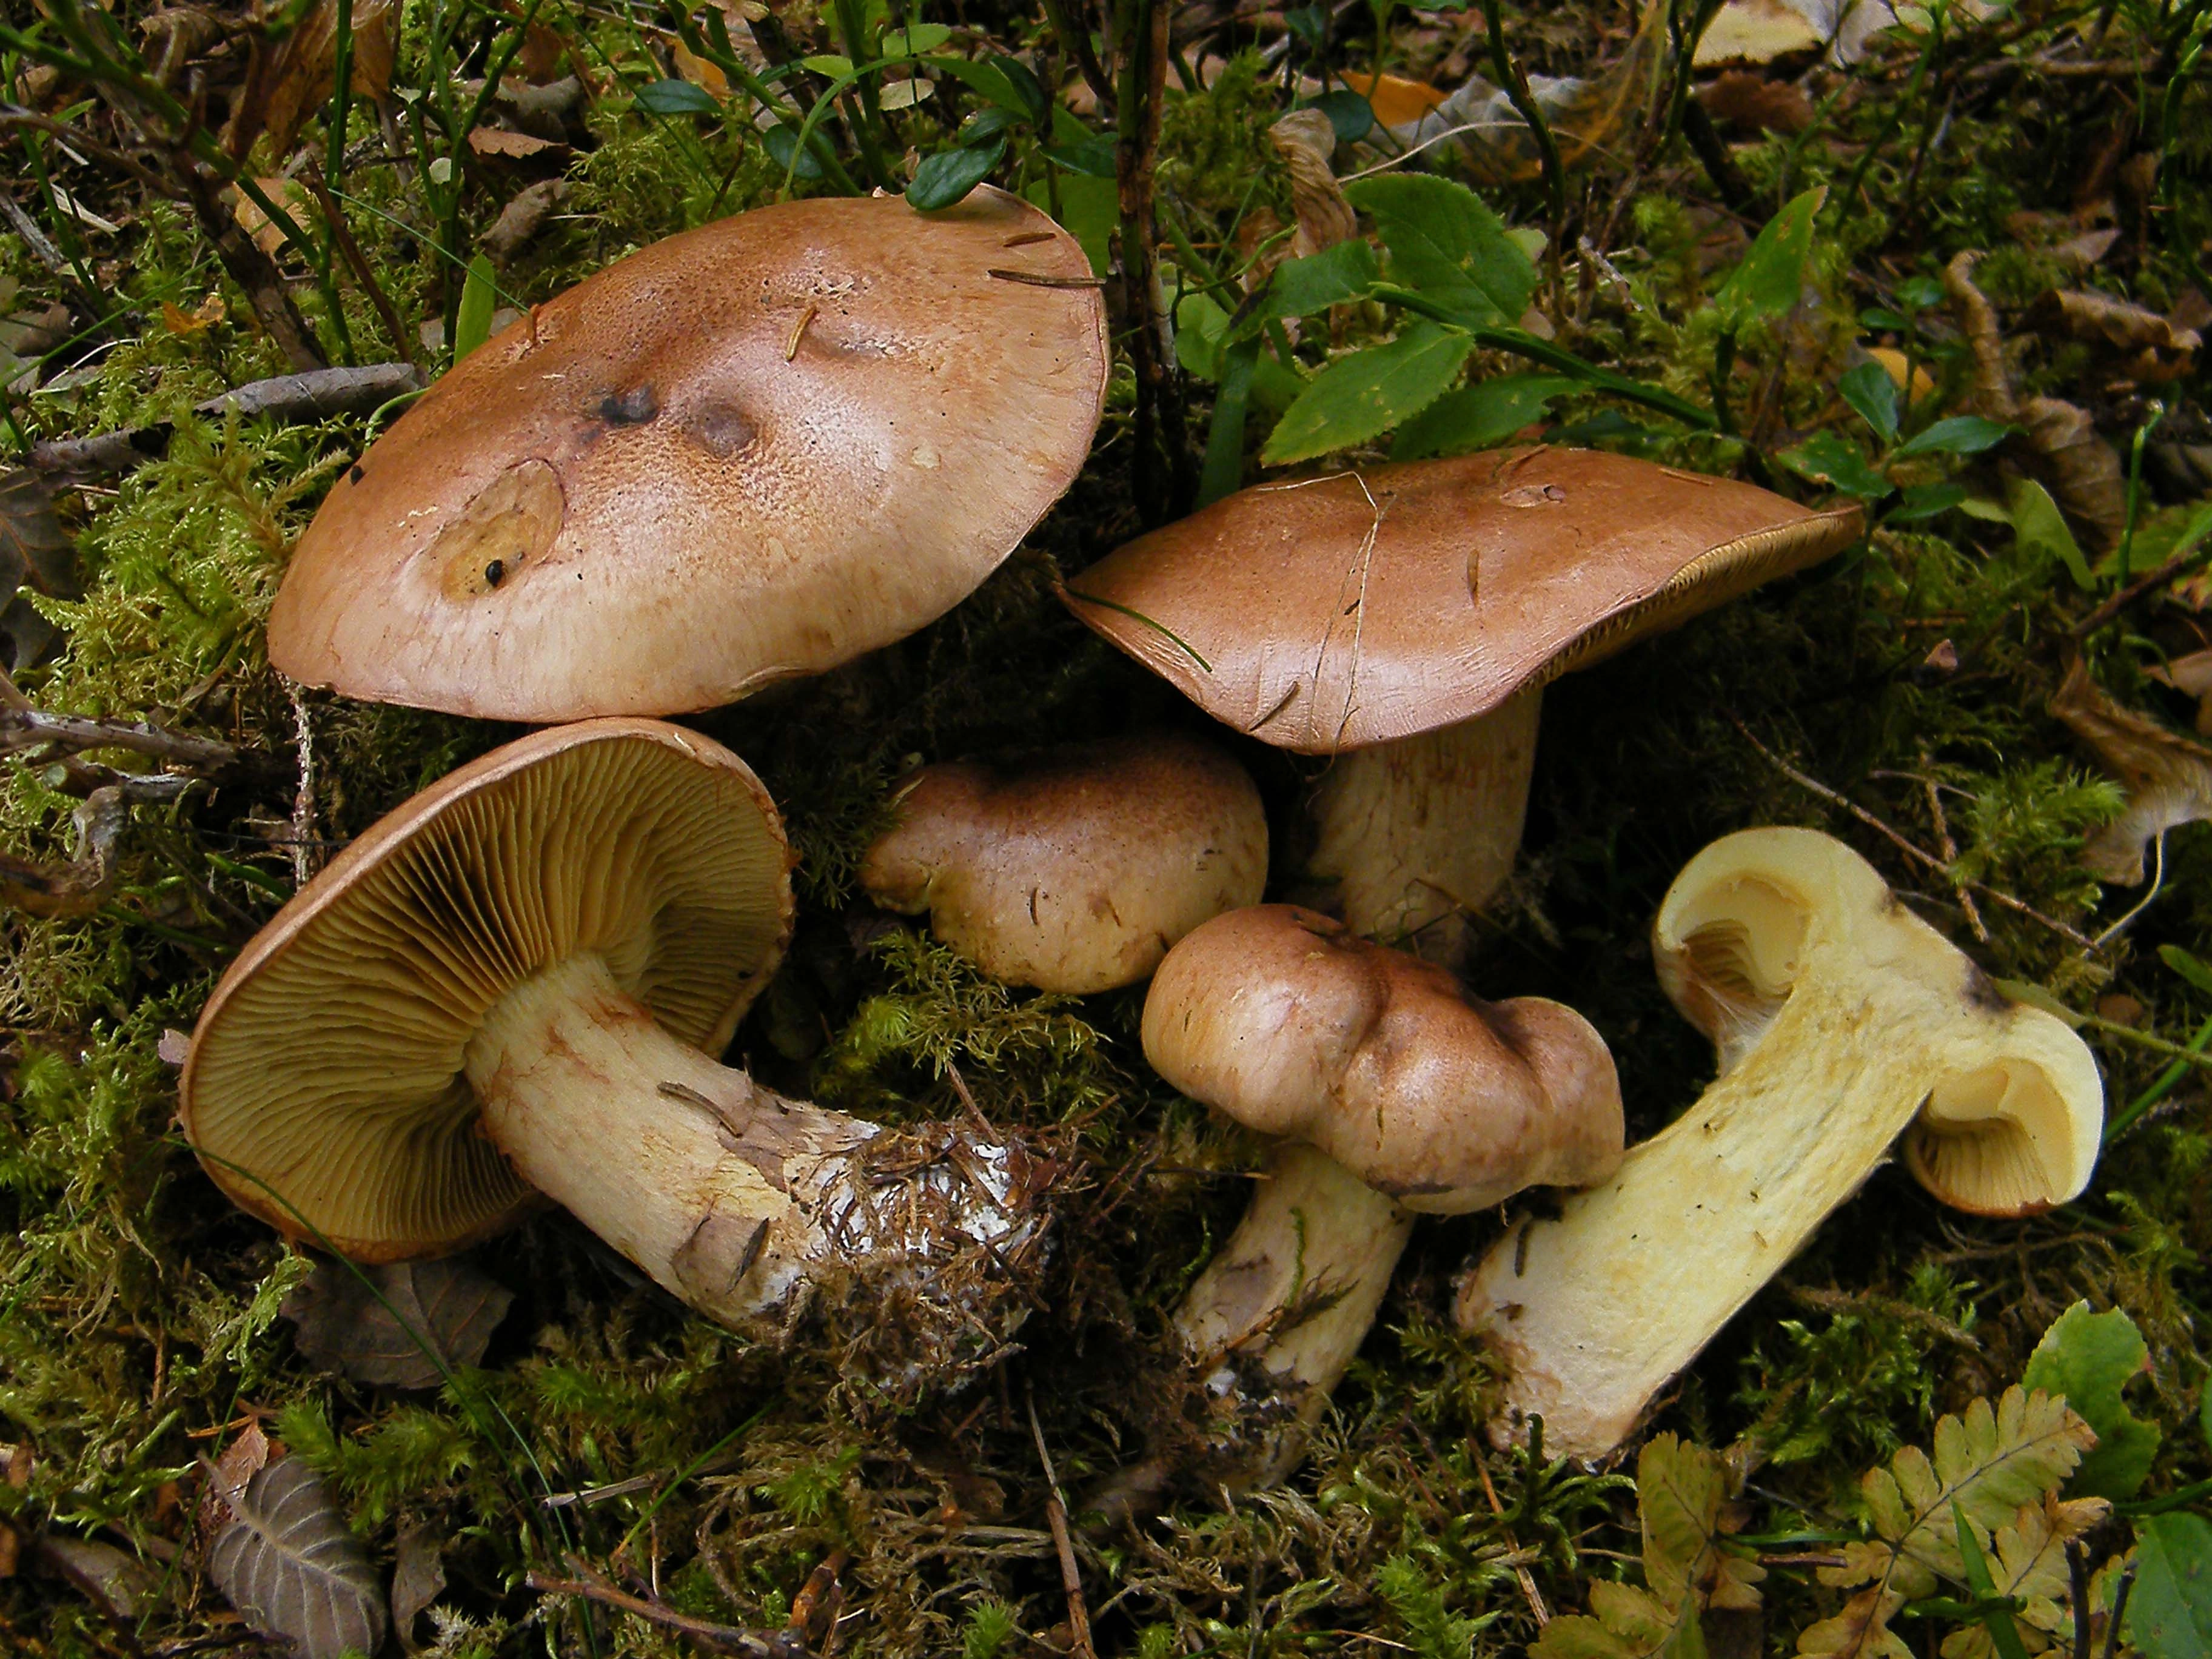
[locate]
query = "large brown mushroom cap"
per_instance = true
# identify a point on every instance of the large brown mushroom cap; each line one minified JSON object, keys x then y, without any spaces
{"x":325,"y":1092}
{"x":752,"y":451}
{"x":1354,"y":609}
{"x":1074,"y":868}
{"x":1286,"y":1021}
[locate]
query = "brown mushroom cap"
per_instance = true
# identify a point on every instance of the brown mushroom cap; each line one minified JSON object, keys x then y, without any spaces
{"x":755,"y":450}
{"x":1286,"y":1021}
{"x":1074,"y":868}
{"x":325,"y":1089}
{"x":1349,"y":610}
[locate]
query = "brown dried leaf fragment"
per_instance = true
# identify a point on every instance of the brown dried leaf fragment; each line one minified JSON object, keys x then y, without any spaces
{"x":119,"y":1585}
{"x":2192,"y":676}
{"x":418,"y":1578}
{"x":2153,"y":350}
{"x":293,"y":77}
{"x":2168,"y":776}
{"x":79,"y":886}
{"x":432,"y":1316}
{"x":288,"y":1563}
{"x":523,"y":218}
{"x":1306,"y":141}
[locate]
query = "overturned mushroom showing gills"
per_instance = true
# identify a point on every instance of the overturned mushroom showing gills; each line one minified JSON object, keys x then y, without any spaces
{"x":1074,"y":868}
{"x":752,"y":451}
{"x":512,"y":986}
{"x":1405,"y":619}
{"x":1388,"y":1090}
{"x":1841,"y":1021}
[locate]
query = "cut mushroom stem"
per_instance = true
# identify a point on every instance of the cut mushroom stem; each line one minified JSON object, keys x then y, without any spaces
{"x":1841,"y":1021}
{"x":1419,"y":834}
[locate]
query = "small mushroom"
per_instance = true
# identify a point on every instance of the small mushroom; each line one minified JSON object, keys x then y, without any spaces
{"x":1075,"y":868}
{"x":1841,"y":1021}
{"x":1404,"y":619}
{"x":511,"y":986}
{"x":1388,"y":1090}
{"x":752,"y":451}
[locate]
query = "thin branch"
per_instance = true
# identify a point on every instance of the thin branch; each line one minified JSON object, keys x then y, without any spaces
{"x":2135,"y":590}
{"x":1070,"y":1576}
{"x":29,"y":728}
{"x":721,"y":1638}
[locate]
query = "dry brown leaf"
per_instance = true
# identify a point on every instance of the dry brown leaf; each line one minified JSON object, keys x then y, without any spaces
{"x":292,"y":78}
{"x":36,"y":552}
{"x":245,"y":1457}
{"x":2155,"y":351}
{"x":1761,"y":32}
{"x":523,"y":218}
{"x":2192,"y":676}
{"x":511,"y":146}
{"x":432,"y":1316}
{"x":419,"y":1578}
{"x":2168,"y":777}
{"x":1395,"y":100}
{"x":267,"y":234}
{"x":1746,"y":98}
{"x":81,"y":885}
{"x":1306,"y":141}
{"x":119,"y":1585}
{"x":11,"y":1550}
{"x":287,"y":1563}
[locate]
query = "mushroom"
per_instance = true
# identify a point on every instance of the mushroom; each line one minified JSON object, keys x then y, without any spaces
{"x":1404,"y":619}
{"x":1388,"y":1090}
{"x":752,"y":451}
{"x":1841,"y":1020}
{"x":1074,"y":868}
{"x":511,"y":986}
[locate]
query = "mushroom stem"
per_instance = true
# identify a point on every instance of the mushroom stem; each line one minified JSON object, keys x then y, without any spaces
{"x":1419,"y":834}
{"x":1838,"y":1016}
{"x":1285,"y":1304}
{"x":729,"y":1196}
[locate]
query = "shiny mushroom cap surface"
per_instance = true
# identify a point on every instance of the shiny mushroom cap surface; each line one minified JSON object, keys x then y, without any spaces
{"x":753,"y":451}
{"x":1344,"y":611}
{"x":1284,"y":1020}
{"x":324,"y":1091}
{"x":1074,"y":868}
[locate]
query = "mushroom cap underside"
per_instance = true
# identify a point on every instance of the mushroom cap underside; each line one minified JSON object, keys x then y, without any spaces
{"x":1074,"y":868}
{"x":2013,"y":1114}
{"x":752,"y":451}
{"x":1286,"y":1021}
{"x":324,"y":1091}
{"x":1337,"y":612}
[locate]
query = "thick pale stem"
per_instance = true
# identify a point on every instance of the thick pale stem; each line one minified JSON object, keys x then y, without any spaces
{"x":1285,"y":1304}
{"x":1597,"y":1308}
{"x":729,"y":1195}
{"x":1419,"y":834}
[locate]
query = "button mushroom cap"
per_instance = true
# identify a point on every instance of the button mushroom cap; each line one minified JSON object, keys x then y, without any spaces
{"x":1841,"y":1020}
{"x":1389,"y":1091}
{"x":752,"y":451}
{"x":1405,"y":618}
{"x":1074,"y":868}
{"x":1297,"y":1028}
{"x":503,"y":989}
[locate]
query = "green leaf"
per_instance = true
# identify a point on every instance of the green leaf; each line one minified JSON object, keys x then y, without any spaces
{"x":2088,"y":1357}
{"x":947,"y":177}
{"x":1869,"y":390}
{"x":1089,"y":209}
{"x":676,"y":98}
{"x":1827,"y":458}
{"x":2038,"y":526}
{"x":1094,"y":157}
{"x":2200,"y":975}
{"x":833,"y":65}
{"x":1224,"y":437}
{"x":915,"y":39}
{"x":984,"y":80}
{"x":1368,"y":393}
{"x":1478,"y":415}
{"x":1351,"y":116}
{"x":2170,"y":1613}
{"x":1301,"y":287}
{"x":1926,"y":501}
{"x":783,"y":148}
{"x":1202,"y":342}
{"x":1447,"y":246}
{"x":2004,"y":1635}
{"x":1956,"y":434}
{"x":473,"y":323}
{"x":1027,"y":89}
{"x":1772,"y":274}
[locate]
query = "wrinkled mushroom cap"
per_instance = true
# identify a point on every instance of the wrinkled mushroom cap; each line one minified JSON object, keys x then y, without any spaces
{"x":1340,"y":613}
{"x":1074,"y":868}
{"x":325,"y":1089}
{"x":755,"y":450}
{"x":2015,"y":1112}
{"x":1283,"y":1019}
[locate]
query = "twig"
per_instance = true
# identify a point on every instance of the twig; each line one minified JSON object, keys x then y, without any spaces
{"x":29,"y":728}
{"x":318,"y":395}
{"x":1055,"y":1515}
{"x":2135,"y":590}
{"x":1950,"y":847}
{"x":723,"y":1638}
{"x":1529,"y":1590}
{"x":303,"y":803}
{"x":811,"y":1602}
{"x":1033,"y":280}
{"x":357,"y":262}
{"x":2077,"y":1571}
{"x":1918,"y":854}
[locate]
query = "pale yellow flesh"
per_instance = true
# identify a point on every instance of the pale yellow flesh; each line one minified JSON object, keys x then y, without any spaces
{"x":1255,"y":1322}
{"x":1417,"y":835}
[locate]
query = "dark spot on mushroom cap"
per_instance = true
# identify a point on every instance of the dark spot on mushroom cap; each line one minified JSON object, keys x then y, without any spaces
{"x":632,"y":408}
{"x":494,"y":571}
{"x":721,"y":429}
{"x":355,"y":475}
{"x":1980,"y":991}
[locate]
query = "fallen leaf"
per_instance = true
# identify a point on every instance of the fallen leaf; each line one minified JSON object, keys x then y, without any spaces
{"x":1898,"y":365}
{"x":294,"y":1572}
{"x":177,"y":320}
{"x":81,"y":885}
{"x":245,"y":1457}
{"x":512,"y":146}
{"x":418,"y":1576}
{"x":1747,"y":99}
{"x":434,"y":1315}
{"x":2153,"y":350}
{"x":2168,"y":777}
{"x":522,"y":218}
{"x":11,"y":1550}
{"x":1395,"y":100}
{"x":290,"y":197}
{"x":175,"y":1046}
{"x":1305,"y":140}
{"x":119,"y":1585}
{"x":2082,"y":471}
{"x":1762,"y":31}
{"x":292,"y":77}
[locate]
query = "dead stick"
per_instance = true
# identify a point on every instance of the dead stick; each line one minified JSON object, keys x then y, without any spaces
{"x":357,"y":262}
{"x":1919,"y":855}
{"x":808,"y":1601}
{"x":1950,"y":847}
{"x":727,"y":1638}
{"x":1056,"y":1516}
{"x":2135,"y":590}
{"x":29,"y":728}
{"x":1529,"y":1590}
